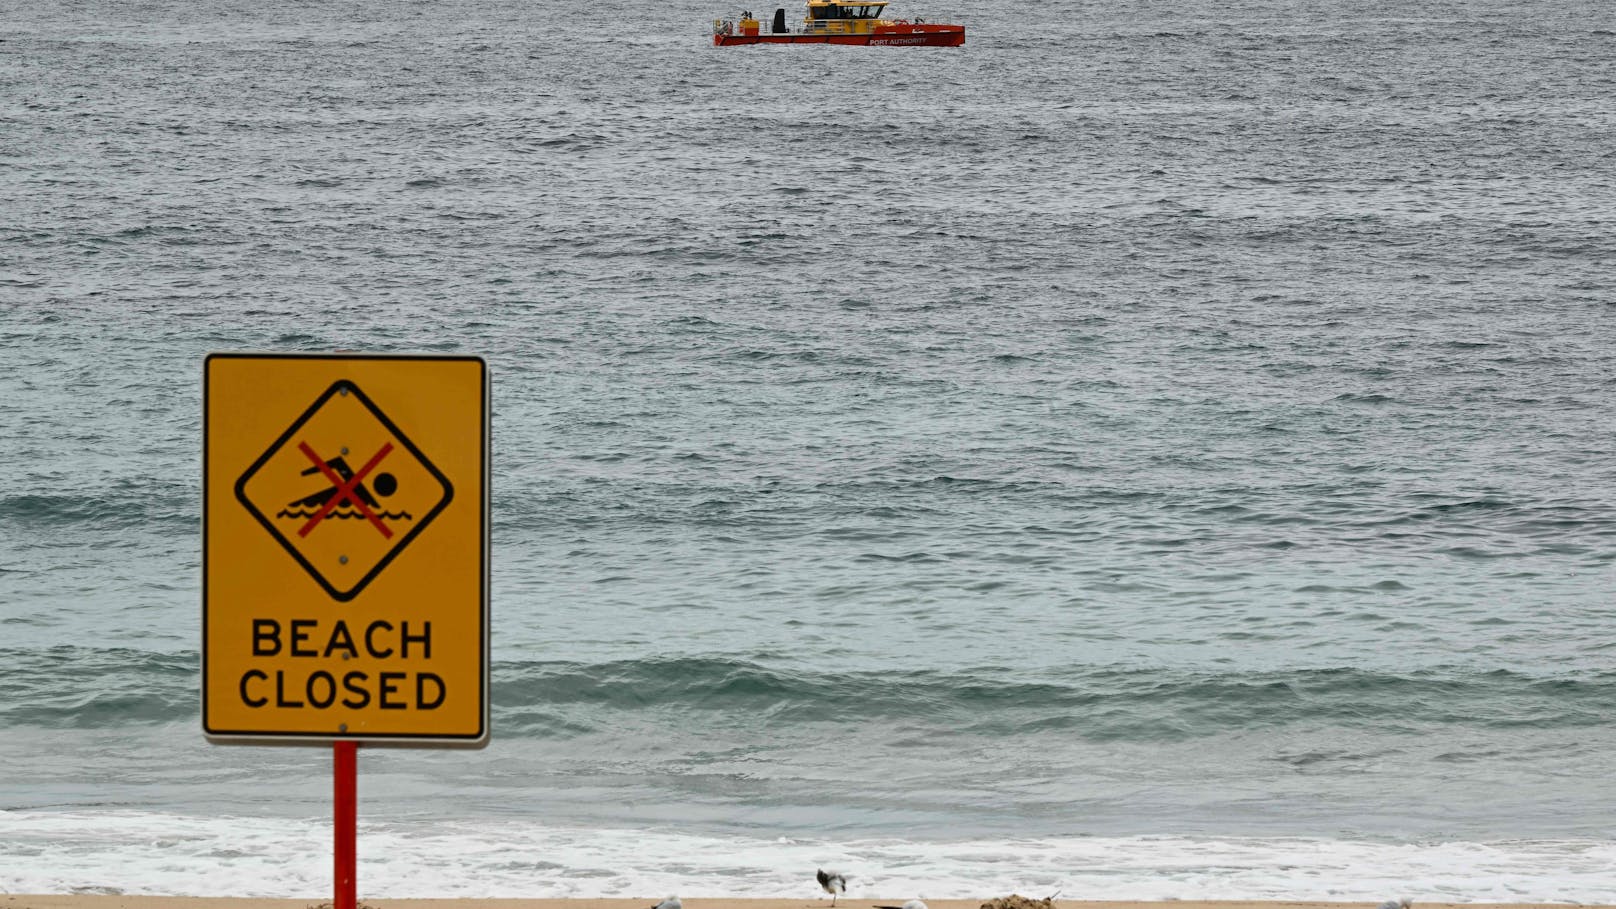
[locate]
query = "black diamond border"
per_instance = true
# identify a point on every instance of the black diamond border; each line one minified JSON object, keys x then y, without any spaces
{"x":241,"y":490}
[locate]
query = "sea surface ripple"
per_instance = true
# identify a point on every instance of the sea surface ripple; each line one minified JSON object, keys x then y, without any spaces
{"x":1161,"y":420}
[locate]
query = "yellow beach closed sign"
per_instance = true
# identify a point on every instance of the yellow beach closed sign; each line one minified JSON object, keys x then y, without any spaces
{"x":345,"y":549}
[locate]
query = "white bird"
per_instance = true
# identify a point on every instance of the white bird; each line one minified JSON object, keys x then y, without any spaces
{"x":832,"y":882}
{"x":671,"y":902}
{"x":1402,"y":903}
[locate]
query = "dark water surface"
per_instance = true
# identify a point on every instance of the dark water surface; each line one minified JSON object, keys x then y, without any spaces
{"x":1148,"y":438}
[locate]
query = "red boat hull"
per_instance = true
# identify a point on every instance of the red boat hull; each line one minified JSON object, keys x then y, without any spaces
{"x":924,"y":35}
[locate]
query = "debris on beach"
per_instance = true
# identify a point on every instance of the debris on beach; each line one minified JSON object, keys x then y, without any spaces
{"x":1016,"y":901}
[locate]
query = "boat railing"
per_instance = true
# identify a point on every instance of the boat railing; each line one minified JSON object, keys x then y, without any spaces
{"x":732,"y":26}
{"x":729,"y":26}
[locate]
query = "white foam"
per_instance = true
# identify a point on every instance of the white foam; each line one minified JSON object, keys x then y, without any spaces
{"x":134,"y":852}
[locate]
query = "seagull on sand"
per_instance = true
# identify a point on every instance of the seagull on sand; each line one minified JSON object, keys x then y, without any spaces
{"x":832,"y":882}
{"x":912,"y":904}
{"x":671,"y":902}
{"x":1402,"y":903}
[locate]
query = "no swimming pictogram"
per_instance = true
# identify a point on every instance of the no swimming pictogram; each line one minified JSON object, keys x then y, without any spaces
{"x":344,"y":525}
{"x":346,"y":489}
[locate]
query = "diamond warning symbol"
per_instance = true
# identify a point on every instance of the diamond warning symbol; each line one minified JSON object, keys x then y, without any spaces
{"x":344,"y":490}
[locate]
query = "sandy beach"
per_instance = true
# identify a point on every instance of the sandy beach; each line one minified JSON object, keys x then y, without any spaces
{"x":84,"y":901}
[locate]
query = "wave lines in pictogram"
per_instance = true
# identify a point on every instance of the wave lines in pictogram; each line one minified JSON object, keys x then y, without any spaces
{"x":343,"y":514}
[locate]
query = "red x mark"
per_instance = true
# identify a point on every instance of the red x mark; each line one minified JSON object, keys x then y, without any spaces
{"x":345,"y":489}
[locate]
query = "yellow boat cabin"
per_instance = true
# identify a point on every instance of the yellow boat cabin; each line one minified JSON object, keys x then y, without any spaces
{"x":844,"y":18}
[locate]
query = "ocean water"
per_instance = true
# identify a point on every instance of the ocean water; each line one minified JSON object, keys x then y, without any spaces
{"x":1157,"y":450}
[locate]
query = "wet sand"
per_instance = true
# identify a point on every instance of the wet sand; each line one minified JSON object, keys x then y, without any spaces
{"x":85,"y":901}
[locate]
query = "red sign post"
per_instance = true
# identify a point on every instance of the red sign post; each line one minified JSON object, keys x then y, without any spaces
{"x":345,"y":820}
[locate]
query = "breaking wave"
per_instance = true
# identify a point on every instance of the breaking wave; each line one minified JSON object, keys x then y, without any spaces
{"x":69,"y":686}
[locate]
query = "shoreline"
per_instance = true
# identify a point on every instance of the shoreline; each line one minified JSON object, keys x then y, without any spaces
{"x":120,"y":901}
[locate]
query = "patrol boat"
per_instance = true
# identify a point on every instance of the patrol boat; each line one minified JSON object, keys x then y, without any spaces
{"x":838,"y":22}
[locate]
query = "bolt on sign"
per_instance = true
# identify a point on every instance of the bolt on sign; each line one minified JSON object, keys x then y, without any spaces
{"x":345,"y":549}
